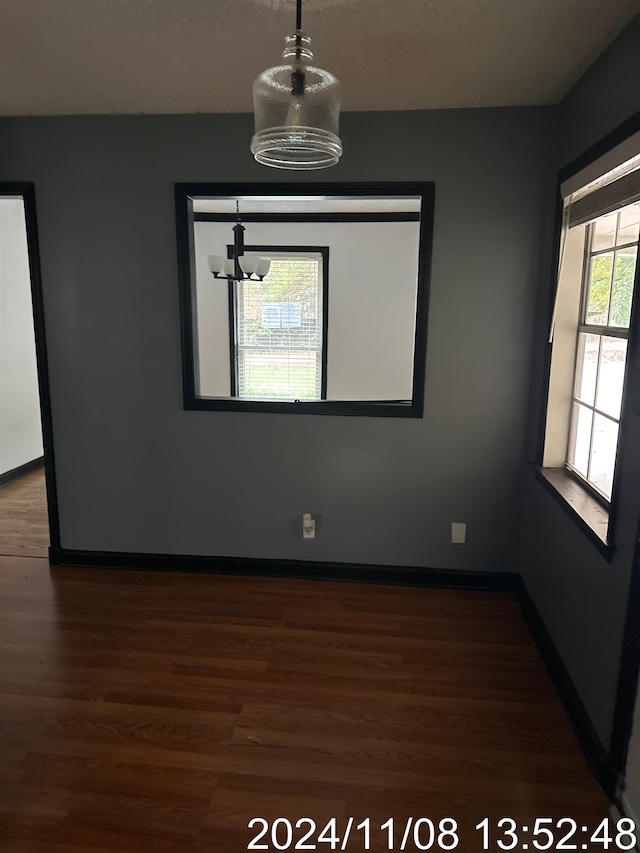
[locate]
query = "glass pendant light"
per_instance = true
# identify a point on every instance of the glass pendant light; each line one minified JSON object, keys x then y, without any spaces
{"x":297,"y":110}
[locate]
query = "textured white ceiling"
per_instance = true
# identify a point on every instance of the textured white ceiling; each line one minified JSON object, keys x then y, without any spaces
{"x":184,"y":56}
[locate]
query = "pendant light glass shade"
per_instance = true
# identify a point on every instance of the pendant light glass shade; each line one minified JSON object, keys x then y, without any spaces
{"x":297,"y":111}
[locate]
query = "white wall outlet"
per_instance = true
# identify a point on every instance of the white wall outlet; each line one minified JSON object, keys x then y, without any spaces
{"x":308,"y":526}
{"x":458,"y":532}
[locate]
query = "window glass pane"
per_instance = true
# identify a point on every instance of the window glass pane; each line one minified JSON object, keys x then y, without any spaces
{"x":599,"y":290}
{"x":629,"y":224}
{"x":580,"y":438}
{"x":279,"y":331}
{"x":611,"y":245}
{"x":272,"y":373}
{"x":622,"y":291}
{"x":603,"y":454}
{"x":604,"y":232}
{"x":587,"y":367}
{"x":613,"y":354}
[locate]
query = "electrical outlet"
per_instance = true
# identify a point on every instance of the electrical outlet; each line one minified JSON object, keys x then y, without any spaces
{"x":308,"y":526}
{"x":458,"y":532}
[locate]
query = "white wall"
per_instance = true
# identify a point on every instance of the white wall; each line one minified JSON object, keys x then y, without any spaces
{"x":20,"y":429}
{"x":211,"y":313}
{"x":372,"y":303}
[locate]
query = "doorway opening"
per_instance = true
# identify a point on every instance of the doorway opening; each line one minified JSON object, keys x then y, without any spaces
{"x":27,"y":487}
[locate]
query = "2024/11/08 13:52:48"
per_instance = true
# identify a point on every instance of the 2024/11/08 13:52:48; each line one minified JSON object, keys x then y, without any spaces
{"x":422,"y":833}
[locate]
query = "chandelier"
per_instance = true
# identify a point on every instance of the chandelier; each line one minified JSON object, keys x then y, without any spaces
{"x":297,"y":110}
{"x":230,"y":268}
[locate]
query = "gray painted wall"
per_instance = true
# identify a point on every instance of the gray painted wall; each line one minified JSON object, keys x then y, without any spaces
{"x":606,"y":94}
{"x":581,"y":597}
{"x":137,"y":473}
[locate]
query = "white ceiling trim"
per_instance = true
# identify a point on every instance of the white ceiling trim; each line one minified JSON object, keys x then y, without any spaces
{"x":280,"y":204}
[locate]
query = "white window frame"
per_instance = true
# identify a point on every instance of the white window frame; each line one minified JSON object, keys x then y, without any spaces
{"x":316,"y":253}
{"x":591,"y":509}
{"x":601,"y":331}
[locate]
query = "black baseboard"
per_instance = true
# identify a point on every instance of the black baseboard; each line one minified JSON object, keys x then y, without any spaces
{"x":588,"y":737}
{"x":21,"y":471}
{"x":355,"y":572}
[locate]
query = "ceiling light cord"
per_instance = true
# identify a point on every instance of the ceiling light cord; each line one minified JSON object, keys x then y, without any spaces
{"x":298,"y":14}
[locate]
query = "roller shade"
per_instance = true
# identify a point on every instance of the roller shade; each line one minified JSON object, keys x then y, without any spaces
{"x":605,"y":199}
{"x":607,"y":184}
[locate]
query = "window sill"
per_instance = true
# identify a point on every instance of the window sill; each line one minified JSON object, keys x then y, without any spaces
{"x":368,"y":408}
{"x":590,"y":516}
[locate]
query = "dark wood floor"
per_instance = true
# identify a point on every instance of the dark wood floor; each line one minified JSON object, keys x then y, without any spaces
{"x":161,"y":712}
{"x":24,"y":526}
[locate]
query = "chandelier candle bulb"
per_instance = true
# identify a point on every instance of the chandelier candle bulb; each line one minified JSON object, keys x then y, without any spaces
{"x":250,"y":264}
{"x":216,"y":263}
{"x":263,"y":267}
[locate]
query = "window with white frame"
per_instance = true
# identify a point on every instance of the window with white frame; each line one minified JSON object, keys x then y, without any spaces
{"x":592,"y":319}
{"x":278,"y":330}
{"x":611,"y":253}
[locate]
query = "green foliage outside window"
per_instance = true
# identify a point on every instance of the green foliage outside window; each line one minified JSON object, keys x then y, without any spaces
{"x":600,"y":290}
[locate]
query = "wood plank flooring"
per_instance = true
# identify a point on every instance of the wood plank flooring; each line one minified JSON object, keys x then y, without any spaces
{"x":145,"y":711}
{"x":24,"y":525}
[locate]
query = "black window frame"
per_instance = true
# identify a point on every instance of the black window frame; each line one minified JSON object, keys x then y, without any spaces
{"x":592,"y":516}
{"x":185,"y":217}
{"x":323,"y":251}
